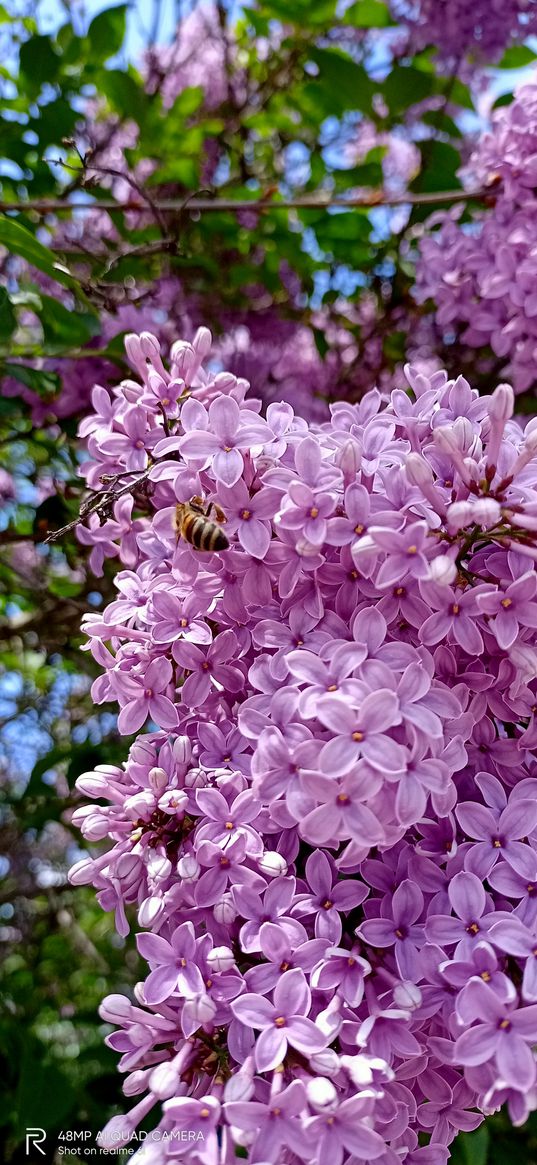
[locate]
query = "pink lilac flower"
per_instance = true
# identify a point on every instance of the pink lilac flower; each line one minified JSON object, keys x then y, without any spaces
{"x":145,"y":698}
{"x":273,"y":1125}
{"x":329,"y":843}
{"x":230,"y":430}
{"x":401,"y":930}
{"x":502,"y":1031}
{"x":283,"y":1022}
{"x":361,"y":732}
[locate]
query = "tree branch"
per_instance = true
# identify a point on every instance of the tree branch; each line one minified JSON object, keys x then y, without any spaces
{"x":370,"y":198}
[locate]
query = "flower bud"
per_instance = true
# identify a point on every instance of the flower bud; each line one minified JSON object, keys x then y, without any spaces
{"x":501,"y":403}
{"x":116,"y":1009}
{"x":188,"y":868}
{"x":163,"y":1080}
{"x":127,"y":864}
{"x":418,"y":470}
{"x":202,"y":343}
{"x":183,"y":360}
{"x":131,"y":390}
{"x":239,"y":1087}
{"x":407,"y":995}
{"x":459,"y":515}
{"x":182,"y":750}
{"x":224,"y":382}
{"x":487,"y":512}
{"x":321,"y":1093}
{"x":443,"y":570}
{"x":136,"y":1082}
{"x":140,"y":805}
{"x":150,"y":346}
{"x":365,"y":1070}
{"x":203,"y":1008}
{"x":325,"y":1063}
{"x":150,"y":911}
{"x":158,"y":780}
{"x":221,"y":959}
{"x":348,"y":459}
{"x":92,"y":785}
{"x":159,"y":867}
{"x":117,"y":1131}
{"x":94,"y":828}
{"x":272,"y":864}
{"x":135,"y":356}
{"x":224,"y":911}
{"x":530,"y":437}
{"x":82,"y":873}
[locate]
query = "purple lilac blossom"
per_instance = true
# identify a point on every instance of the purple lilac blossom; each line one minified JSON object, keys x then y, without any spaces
{"x":326,"y":835}
{"x":481,"y":275}
{"x":483,"y":29}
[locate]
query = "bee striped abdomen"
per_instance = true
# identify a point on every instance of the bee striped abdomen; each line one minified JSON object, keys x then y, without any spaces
{"x":203,"y":534}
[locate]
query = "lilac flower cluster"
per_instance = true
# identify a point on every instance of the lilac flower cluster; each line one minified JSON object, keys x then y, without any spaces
{"x":328,"y":835}
{"x":482,"y":275}
{"x":482,"y":30}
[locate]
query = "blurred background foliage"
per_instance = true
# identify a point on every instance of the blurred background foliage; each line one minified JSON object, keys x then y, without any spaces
{"x":111,"y":121}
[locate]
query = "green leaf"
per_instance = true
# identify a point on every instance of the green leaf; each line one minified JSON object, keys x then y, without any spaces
{"x":321,"y":343}
{"x":124,"y":93}
{"x":115,"y":349}
{"x":348,"y":83}
{"x":40,"y":380}
{"x":394,"y":346}
{"x":440,"y":163}
{"x":503,"y":99}
{"x":56,"y":120}
{"x":460,"y":94}
{"x":39,"y":62}
{"x":301,"y":12}
{"x":353,"y":226}
{"x":64,"y":588}
{"x":441,"y":122}
{"x":8,"y":319}
{"x":64,"y":327}
{"x":44,"y":765}
{"x":367,"y":14}
{"x":517,"y":57}
{"x":183,"y":171}
{"x":43,"y":1090}
{"x":405,"y":86}
{"x":472,"y":1148}
{"x":20,"y":241}
{"x":188,"y":101}
{"x":106,"y":32}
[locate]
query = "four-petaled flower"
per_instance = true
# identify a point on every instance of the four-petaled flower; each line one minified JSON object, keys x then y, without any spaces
{"x":281,"y":1023}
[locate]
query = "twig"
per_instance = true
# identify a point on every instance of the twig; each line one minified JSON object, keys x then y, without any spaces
{"x":86,"y":166}
{"x":19,"y":352}
{"x":159,"y":246}
{"x":101,"y":502}
{"x":371,"y":198}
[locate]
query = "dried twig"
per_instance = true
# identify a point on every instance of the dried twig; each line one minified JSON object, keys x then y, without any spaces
{"x":99,"y":504}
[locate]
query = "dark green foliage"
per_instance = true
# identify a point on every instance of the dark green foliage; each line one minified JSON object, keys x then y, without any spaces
{"x":61,"y":953}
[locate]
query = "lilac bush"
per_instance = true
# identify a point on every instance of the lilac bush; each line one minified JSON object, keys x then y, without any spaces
{"x":481,"y":274}
{"x":483,"y":30}
{"x":327,"y":834}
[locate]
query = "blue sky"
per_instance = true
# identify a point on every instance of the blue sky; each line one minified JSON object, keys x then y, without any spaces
{"x":52,"y":13}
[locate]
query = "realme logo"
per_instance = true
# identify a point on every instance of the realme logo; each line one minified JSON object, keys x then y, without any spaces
{"x":35,"y":1138}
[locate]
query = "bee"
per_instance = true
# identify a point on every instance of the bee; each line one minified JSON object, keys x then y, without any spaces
{"x":192,"y":522}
